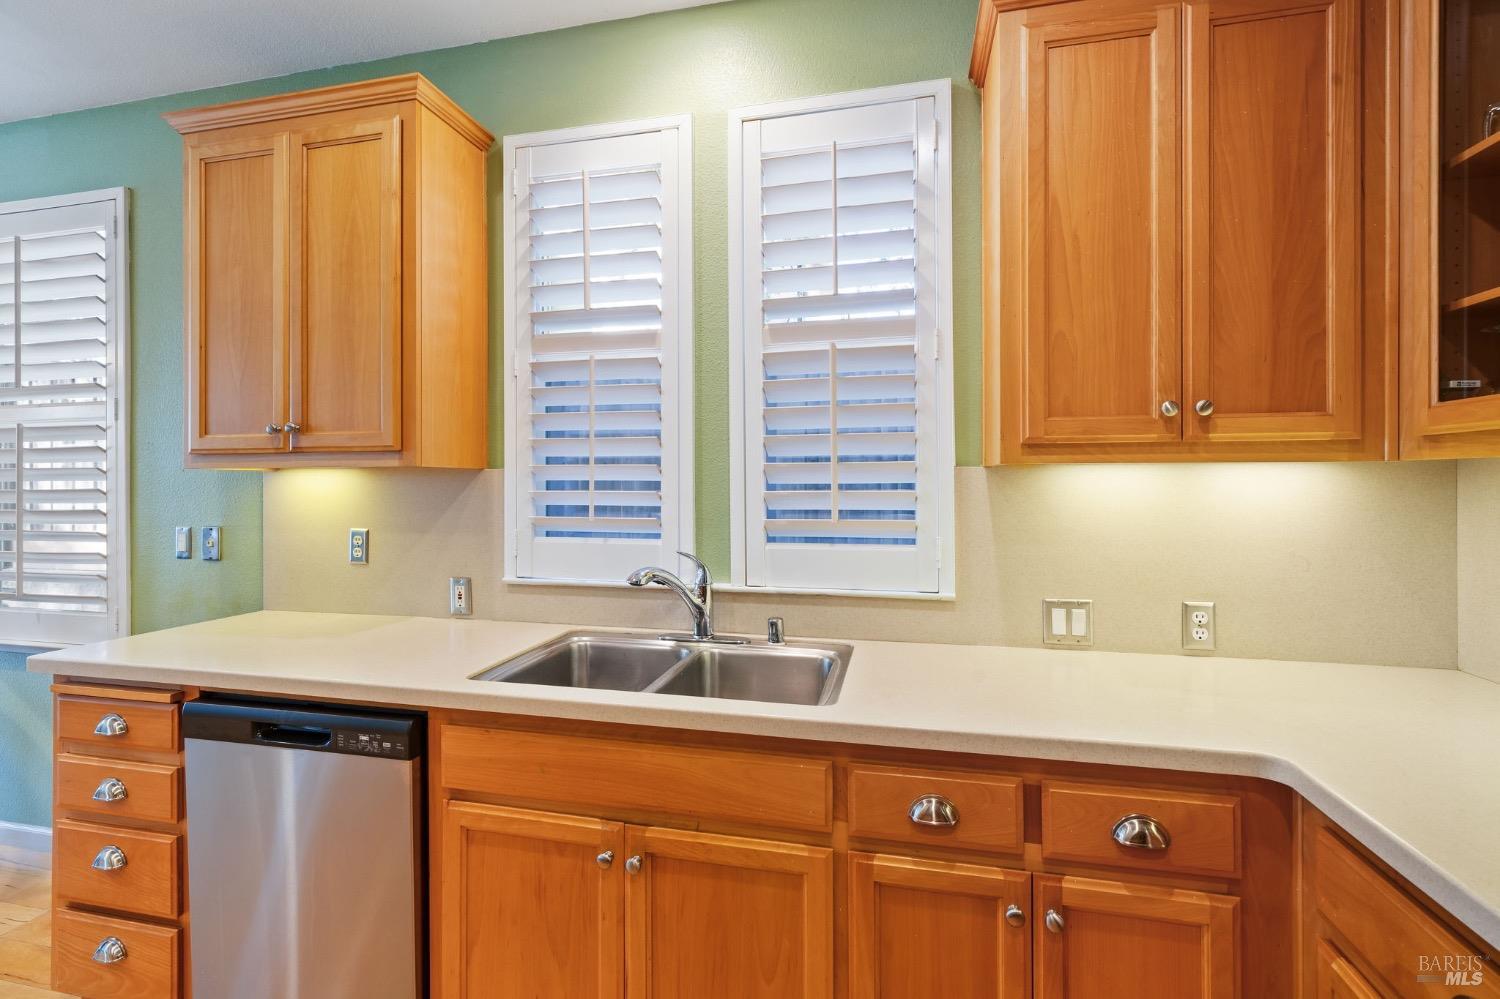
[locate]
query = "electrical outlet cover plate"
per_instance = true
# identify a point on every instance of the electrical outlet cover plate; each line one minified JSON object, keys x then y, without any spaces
{"x":359,"y":545}
{"x":460,"y":596}
{"x":1197,"y":626}
{"x":1068,"y":622}
{"x":211,"y":552}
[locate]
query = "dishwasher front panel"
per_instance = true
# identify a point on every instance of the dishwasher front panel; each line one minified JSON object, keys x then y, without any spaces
{"x":303,"y":873}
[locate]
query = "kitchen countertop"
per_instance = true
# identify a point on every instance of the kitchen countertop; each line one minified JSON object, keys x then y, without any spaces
{"x":1407,"y":760}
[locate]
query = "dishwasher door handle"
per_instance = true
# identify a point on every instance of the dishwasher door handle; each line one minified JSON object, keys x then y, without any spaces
{"x":295,"y":736}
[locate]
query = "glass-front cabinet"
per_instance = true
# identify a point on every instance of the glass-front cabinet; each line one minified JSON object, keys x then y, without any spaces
{"x":1450,"y":269}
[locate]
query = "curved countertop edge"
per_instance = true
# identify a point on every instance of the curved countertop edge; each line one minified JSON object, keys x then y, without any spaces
{"x":1445,"y":887}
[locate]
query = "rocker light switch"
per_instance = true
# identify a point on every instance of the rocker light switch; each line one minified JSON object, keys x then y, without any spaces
{"x":182,"y":542}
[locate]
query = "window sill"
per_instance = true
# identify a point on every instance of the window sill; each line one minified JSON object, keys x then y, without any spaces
{"x":741,"y":588}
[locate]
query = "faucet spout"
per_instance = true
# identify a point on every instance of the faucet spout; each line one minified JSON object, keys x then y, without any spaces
{"x":698,"y":596}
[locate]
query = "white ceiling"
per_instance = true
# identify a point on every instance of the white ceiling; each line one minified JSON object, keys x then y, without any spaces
{"x":62,"y":55}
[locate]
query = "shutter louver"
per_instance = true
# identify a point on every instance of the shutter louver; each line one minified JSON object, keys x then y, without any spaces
{"x":841,"y":432}
{"x":596,"y":361}
{"x":54,"y":418}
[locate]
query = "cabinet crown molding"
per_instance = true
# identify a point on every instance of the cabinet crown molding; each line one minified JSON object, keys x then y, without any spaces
{"x":342,"y":97}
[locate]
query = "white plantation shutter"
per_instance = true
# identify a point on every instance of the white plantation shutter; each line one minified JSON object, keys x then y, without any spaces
{"x":62,"y":572}
{"x":845,"y":446}
{"x":598,"y":453}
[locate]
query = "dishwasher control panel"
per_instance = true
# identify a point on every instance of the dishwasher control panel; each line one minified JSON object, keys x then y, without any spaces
{"x":364,"y":743}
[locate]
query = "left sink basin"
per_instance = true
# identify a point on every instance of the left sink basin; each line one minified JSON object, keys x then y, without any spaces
{"x":599,"y":662}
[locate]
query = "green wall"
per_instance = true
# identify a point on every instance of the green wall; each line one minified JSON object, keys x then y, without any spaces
{"x":702,"y":61}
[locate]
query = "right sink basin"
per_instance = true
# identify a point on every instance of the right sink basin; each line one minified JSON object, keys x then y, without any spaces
{"x":784,"y":674}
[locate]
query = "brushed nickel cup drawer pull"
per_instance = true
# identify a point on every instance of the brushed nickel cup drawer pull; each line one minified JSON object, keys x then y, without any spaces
{"x":1141,"y":832}
{"x":111,"y":950}
{"x":111,"y":858}
{"x":933,"y":810}
{"x":111,"y":726}
{"x":110,"y":789}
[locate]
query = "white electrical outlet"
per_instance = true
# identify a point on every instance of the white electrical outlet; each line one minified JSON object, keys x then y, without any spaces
{"x":359,"y":545}
{"x":1197,"y":626}
{"x":1067,"y":622}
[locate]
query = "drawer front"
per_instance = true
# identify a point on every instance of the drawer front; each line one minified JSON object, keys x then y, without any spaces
{"x":1201,"y":832}
{"x":1389,"y":931}
{"x":150,"y":967}
{"x":977,"y":812}
{"x":139,"y":725}
{"x":131,"y":870}
{"x":152,"y":790}
{"x":610,"y":776}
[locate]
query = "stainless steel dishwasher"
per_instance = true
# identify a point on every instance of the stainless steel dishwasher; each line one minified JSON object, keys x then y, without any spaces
{"x":304,"y":846}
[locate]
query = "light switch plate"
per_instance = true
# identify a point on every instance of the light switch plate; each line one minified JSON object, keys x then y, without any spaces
{"x":359,"y":545}
{"x":211,"y":552}
{"x":1068,"y":622}
{"x":182,"y":542}
{"x":1197,"y":626}
{"x":460,"y":596}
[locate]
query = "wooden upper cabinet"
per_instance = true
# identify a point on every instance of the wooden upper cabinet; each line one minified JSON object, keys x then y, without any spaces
{"x":934,"y":928}
{"x":1273,"y":342}
{"x":711,"y":915}
{"x":1094,"y":271}
{"x":336,"y":279}
{"x":1450,"y":230}
{"x":1110,"y":938}
{"x":346,"y":253}
{"x":1186,"y":249}
{"x":236,"y":309}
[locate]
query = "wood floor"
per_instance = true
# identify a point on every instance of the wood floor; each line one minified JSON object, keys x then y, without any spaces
{"x":25,"y":926}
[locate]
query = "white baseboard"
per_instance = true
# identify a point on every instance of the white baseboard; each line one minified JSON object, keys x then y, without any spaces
{"x":36,"y":839}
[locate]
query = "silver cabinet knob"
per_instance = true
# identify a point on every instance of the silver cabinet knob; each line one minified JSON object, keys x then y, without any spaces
{"x":1015,"y":916}
{"x":1141,"y":832}
{"x":111,"y":725}
{"x":111,"y":950}
{"x":933,"y":810}
{"x":291,"y":428}
{"x":1170,"y":409}
{"x":1204,"y":407}
{"x":1054,"y":921}
{"x":111,"y":858}
{"x":605,"y":859}
{"x":633,"y":864}
{"x":273,"y":428}
{"x":110,"y":789}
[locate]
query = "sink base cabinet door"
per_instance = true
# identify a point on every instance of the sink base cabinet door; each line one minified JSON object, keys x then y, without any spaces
{"x":528,"y":906}
{"x":727,"y":917}
{"x":920,"y":928}
{"x":1103,"y":939}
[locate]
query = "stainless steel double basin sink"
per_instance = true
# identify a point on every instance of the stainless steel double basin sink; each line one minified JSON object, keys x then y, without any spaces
{"x":782,"y":673}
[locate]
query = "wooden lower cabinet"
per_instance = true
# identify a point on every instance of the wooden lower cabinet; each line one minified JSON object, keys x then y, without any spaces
{"x":920,"y":928}
{"x":712,"y":915}
{"x":1106,"y":939}
{"x":1335,"y":978}
{"x":528,"y":907}
{"x":540,"y":905}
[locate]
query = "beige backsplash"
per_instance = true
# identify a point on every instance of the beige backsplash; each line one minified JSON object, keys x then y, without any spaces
{"x":1351,"y":562}
{"x":1479,"y":567}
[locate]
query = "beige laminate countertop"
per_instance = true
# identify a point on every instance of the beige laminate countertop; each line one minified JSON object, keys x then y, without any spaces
{"x":1407,"y":760}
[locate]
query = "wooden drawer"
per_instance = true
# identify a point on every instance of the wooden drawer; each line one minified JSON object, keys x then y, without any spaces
{"x":151,"y":968}
{"x":990,"y":810}
{"x":152,"y":790}
{"x":611,"y":776}
{"x":1387,"y":930}
{"x":1078,"y":822}
{"x":147,"y":726}
{"x":147,"y":885}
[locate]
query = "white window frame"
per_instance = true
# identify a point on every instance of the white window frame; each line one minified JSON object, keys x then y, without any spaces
{"x":32,"y":630}
{"x":741,"y":279}
{"x":515,"y":297}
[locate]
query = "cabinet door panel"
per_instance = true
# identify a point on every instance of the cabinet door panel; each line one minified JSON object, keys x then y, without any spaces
{"x":1099,"y":117}
{"x":921,"y":928}
{"x":1120,"y":939}
{"x":346,"y":258}
{"x":236,"y":285}
{"x":1336,"y":978}
{"x":728,"y":917}
{"x":526,"y":909}
{"x":1273,"y":221}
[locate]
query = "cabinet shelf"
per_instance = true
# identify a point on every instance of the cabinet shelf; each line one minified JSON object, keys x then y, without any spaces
{"x":1490,"y":296}
{"x":1482,"y":159}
